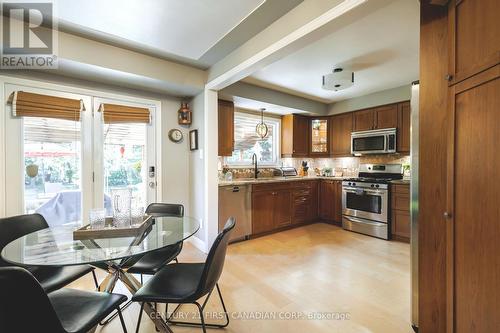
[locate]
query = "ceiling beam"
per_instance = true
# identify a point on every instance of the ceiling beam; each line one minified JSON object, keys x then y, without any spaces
{"x":277,"y":40}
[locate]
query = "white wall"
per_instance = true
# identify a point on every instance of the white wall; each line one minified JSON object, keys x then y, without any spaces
{"x":196,"y":168}
{"x":388,"y":96}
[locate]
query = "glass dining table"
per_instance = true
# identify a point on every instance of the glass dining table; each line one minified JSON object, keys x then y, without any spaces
{"x":56,"y":246}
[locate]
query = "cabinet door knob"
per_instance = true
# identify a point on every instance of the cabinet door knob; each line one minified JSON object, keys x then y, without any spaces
{"x":447,"y":215}
{"x":448,"y":77}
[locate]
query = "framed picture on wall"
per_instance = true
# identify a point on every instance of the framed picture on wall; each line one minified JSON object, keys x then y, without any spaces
{"x":193,"y":140}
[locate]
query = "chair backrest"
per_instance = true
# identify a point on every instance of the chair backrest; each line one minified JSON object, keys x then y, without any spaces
{"x":24,"y":306}
{"x":165,"y":209}
{"x":11,"y":228}
{"x":215,"y":260}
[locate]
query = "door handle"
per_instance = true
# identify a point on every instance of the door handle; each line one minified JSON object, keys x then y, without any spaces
{"x":152,"y":184}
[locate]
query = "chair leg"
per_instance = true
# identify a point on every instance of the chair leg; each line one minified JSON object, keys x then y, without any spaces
{"x":140,"y":316}
{"x":95,"y":280}
{"x":202,"y":317}
{"x":122,"y":321}
{"x":201,"y":308}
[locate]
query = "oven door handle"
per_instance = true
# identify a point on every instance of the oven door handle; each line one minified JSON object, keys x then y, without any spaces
{"x":356,"y":220}
{"x":352,"y":190}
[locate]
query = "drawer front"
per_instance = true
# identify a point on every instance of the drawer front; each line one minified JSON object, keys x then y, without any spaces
{"x":403,"y":189}
{"x":305,"y":184}
{"x":270,"y":187}
{"x":401,"y":201}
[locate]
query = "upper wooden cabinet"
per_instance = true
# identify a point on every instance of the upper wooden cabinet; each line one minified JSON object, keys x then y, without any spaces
{"x":226,"y":127}
{"x":385,"y":116}
{"x":294,"y":136}
{"x":403,"y":135}
{"x":474,"y":37}
{"x":319,"y":136}
{"x":363,"y":120}
{"x":341,"y":128}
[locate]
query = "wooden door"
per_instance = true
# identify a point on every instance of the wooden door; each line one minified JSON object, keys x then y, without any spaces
{"x":341,"y":128}
{"x":282,"y":208}
{"x":386,"y":116}
{"x":226,"y":127}
{"x":262,"y":211}
{"x":364,"y":120}
{"x":300,"y":136}
{"x":474,"y":37}
{"x":473,"y":262}
{"x":403,"y":134}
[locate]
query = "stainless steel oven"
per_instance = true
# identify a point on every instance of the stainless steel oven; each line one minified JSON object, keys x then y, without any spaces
{"x":365,"y":202}
{"x":373,"y":142}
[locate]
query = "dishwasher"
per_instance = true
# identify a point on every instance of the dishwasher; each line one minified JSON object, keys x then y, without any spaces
{"x":236,"y":201}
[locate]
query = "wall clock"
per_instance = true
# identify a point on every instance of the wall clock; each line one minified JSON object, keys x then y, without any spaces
{"x":175,"y":135}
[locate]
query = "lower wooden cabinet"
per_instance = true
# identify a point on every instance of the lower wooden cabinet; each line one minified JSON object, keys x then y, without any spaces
{"x":330,"y":202}
{"x":400,"y":212}
{"x":278,"y":205}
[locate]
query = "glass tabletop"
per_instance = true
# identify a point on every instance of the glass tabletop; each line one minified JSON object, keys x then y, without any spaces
{"x":55,"y":246}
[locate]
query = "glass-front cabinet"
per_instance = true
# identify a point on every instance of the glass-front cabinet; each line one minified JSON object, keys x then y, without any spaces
{"x":320,"y":140}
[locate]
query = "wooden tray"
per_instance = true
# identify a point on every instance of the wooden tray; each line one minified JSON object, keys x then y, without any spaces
{"x":136,"y":230}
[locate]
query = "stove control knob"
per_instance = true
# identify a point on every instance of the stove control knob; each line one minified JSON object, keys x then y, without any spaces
{"x":372,"y":185}
{"x":349,"y":183}
{"x":353,"y":184}
{"x":377,"y":186}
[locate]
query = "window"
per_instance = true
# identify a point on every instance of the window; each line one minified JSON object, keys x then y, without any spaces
{"x":247,"y":142}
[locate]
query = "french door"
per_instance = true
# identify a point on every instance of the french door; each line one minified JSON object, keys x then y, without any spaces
{"x":62,"y":168}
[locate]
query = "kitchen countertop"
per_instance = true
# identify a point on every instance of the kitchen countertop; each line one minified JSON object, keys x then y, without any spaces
{"x":401,"y":182}
{"x":246,"y":181}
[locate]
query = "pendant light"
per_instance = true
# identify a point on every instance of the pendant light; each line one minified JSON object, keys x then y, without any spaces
{"x":261,"y":128}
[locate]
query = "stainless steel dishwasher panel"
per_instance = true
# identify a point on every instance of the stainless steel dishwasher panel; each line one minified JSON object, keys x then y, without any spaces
{"x":236,"y":201}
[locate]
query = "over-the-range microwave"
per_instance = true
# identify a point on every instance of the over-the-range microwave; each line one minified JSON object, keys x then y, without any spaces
{"x":381,"y":141}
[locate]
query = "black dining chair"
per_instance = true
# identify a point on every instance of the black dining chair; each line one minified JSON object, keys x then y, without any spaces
{"x":51,"y":278}
{"x":26,"y":308}
{"x":186,"y":283}
{"x":152,"y":262}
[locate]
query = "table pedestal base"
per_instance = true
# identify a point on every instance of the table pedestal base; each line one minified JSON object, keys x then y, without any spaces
{"x":115,"y":273}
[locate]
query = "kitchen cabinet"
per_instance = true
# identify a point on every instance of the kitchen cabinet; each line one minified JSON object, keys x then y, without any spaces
{"x":380,"y":117}
{"x":294,"y":136}
{"x":386,"y":116}
{"x":271,"y":207}
{"x":403,"y":129}
{"x":475,"y":38}
{"x":363,"y":120}
{"x":330,"y":203}
{"x":305,"y":201}
{"x":341,"y":128}
{"x":225,"y":117}
{"x":319,"y":136}
{"x":400,"y":212}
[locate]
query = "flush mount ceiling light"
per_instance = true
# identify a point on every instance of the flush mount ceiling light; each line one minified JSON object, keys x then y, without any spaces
{"x":261,"y":128}
{"x":338,"y":80}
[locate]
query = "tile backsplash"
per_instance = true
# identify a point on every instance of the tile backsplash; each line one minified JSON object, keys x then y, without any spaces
{"x":345,"y":166}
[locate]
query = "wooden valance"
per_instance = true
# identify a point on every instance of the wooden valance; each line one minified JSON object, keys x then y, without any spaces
{"x":25,"y":104}
{"x":116,"y":114}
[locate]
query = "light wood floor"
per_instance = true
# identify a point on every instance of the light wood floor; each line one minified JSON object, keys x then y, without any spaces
{"x":318,"y":268}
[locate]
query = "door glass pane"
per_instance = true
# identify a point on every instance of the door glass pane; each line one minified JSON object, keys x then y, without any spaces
{"x":364,"y":202}
{"x":125,"y":164}
{"x":52,"y":160}
{"x":319,"y":136}
{"x":369,"y":143}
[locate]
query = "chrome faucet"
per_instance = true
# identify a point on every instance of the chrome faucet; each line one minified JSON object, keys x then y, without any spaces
{"x":254,"y":162}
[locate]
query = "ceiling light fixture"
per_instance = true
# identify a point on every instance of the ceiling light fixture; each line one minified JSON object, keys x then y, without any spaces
{"x":261,"y":128}
{"x":339,"y":79}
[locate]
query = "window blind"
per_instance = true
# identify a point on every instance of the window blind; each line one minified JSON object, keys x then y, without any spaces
{"x":116,"y":114}
{"x":25,"y":104}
